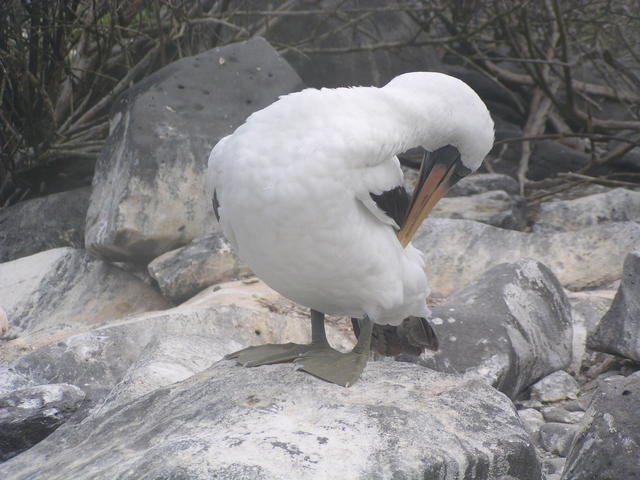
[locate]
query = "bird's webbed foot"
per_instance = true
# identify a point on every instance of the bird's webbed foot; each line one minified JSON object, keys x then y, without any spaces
{"x":270,"y":353}
{"x":336,"y":367}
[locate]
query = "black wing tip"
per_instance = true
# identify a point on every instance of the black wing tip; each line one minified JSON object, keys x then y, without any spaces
{"x":216,"y":205}
{"x":394,"y":203}
{"x":412,"y":337}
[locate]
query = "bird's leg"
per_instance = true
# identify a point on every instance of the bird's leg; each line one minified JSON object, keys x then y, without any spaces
{"x":286,"y":352}
{"x":336,"y":367}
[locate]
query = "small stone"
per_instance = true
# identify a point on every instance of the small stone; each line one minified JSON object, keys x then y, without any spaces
{"x":555,"y":387}
{"x":552,"y":466}
{"x":556,"y":438}
{"x":529,"y":404}
{"x":206,"y":261}
{"x":561,"y":415}
{"x":532,"y":420}
{"x":30,"y":414}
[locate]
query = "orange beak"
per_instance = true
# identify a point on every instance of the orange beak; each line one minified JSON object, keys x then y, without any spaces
{"x":440,"y":170}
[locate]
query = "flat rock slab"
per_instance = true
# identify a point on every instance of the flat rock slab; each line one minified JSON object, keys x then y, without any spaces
{"x":510,"y":327}
{"x":619,"y":330}
{"x":131,"y":357}
{"x":206,"y":261}
{"x":607,"y":445}
{"x":43,"y":223}
{"x":229,"y":422}
{"x":66,"y":288}
{"x":617,"y":205}
{"x":149,"y":192}
{"x":457,"y":251}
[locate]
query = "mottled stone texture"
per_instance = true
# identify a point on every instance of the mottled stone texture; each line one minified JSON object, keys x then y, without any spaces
{"x":229,"y":422}
{"x":607,"y":446}
{"x":619,"y":330}
{"x":510,"y":327}
{"x":457,"y":251}
{"x":208,"y":260}
{"x":43,"y":223}
{"x":30,"y":414}
{"x":66,"y":288}
{"x":148,"y":189}
{"x":617,"y":205}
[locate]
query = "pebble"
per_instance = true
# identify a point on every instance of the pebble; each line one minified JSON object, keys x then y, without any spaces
{"x":555,"y":387}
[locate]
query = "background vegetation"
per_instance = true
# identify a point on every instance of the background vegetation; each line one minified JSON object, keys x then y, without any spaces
{"x":572,"y":68}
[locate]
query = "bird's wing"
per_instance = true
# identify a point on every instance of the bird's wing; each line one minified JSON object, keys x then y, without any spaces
{"x":382,"y":192}
{"x":215,"y":191}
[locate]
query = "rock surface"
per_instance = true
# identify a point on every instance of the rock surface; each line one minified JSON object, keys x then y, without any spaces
{"x":495,"y":207}
{"x":557,"y":437}
{"x":272,"y":423}
{"x":148,"y":189}
{"x":183,"y":272}
{"x":30,"y":414}
{"x":587,"y":309}
{"x":510,"y":327}
{"x":557,"y":386}
{"x":482,"y":183}
{"x":619,"y":330}
{"x":457,"y":251}
{"x":65,"y":288}
{"x":131,"y":357}
{"x":607,"y":446}
{"x":617,"y":205}
{"x":43,"y":223}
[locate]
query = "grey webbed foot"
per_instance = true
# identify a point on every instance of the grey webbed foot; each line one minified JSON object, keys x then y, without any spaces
{"x":317,"y":358}
{"x":269,"y":353}
{"x":328,"y":364}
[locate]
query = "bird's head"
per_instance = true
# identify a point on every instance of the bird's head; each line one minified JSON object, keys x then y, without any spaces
{"x":452,"y":123}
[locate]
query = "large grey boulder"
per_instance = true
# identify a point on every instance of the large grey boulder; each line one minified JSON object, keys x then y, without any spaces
{"x":65,"y":288}
{"x":271,"y":422}
{"x":148,"y":189}
{"x":206,"y":261}
{"x":607,"y":446}
{"x":617,"y":205}
{"x":510,"y":327}
{"x":43,"y":223}
{"x":619,"y":330}
{"x":30,"y":414}
{"x":457,"y":251}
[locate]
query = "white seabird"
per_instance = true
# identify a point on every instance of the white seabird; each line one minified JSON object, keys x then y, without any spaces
{"x":310,"y":193}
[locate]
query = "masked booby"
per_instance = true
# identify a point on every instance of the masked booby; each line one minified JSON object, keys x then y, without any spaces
{"x":309,"y":191}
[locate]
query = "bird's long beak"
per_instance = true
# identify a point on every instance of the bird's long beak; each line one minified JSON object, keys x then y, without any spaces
{"x":440,"y":170}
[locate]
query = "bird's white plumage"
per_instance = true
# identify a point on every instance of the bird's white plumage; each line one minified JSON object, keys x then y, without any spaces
{"x":293,"y":185}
